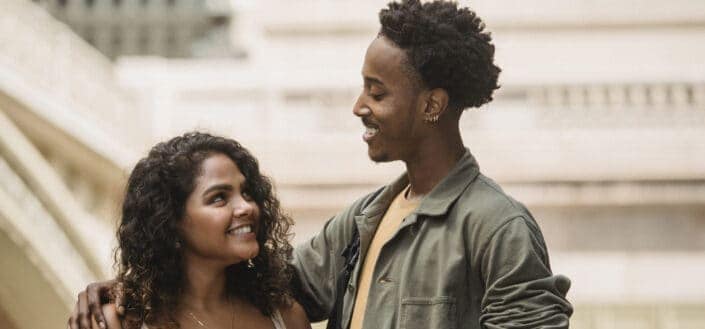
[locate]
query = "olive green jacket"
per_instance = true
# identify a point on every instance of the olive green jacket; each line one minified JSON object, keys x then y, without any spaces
{"x":469,"y":257}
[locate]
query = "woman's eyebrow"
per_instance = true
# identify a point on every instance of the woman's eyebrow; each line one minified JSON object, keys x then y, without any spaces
{"x":224,"y":186}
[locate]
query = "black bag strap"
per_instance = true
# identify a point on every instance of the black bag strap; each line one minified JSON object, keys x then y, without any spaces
{"x":351,"y":253}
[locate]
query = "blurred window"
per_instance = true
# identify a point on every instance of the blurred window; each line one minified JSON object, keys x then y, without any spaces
{"x":143,"y":40}
{"x":116,"y":41}
{"x":171,"y":42}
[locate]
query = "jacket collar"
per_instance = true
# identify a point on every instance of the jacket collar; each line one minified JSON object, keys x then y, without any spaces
{"x":439,"y":200}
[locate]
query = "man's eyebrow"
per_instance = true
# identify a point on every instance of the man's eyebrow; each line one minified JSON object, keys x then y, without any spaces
{"x":370,"y":80}
{"x":226,"y":187}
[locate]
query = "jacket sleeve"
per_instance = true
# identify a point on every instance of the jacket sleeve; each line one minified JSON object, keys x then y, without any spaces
{"x":520,"y":290}
{"x":318,"y":262}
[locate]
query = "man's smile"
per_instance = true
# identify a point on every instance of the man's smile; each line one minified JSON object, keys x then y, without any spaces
{"x":371,"y":130}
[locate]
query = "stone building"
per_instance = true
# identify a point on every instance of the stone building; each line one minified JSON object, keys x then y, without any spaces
{"x":167,"y":28}
{"x":598,"y":128}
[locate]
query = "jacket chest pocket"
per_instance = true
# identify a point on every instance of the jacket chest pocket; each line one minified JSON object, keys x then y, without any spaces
{"x":434,"y":312}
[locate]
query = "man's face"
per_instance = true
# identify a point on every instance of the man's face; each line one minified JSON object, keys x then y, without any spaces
{"x":390,"y":104}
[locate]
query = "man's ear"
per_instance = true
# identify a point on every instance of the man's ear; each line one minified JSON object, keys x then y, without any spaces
{"x":436,"y":102}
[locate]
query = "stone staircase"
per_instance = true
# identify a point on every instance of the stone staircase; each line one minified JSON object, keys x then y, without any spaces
{"x":68,"y":131}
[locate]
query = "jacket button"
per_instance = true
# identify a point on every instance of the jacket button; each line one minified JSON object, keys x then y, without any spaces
{"x":384,"y":280}
{"x":351,"y":288}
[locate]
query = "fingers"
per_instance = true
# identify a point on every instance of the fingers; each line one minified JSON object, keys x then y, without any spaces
{"x":84,"y":316}
{"x":73,"y":320}
{"x":93,"y":293}
{"x":119,"y":298}
{"x":94,"y":324}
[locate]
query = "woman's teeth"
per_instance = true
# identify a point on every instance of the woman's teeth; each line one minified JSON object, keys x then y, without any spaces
{"x":241,"y":230}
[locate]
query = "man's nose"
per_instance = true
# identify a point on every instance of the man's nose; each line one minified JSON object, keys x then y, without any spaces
{"x":360,"y":108}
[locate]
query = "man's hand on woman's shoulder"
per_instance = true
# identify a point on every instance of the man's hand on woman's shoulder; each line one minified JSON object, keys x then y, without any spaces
{"x":111,"y":317}
{"x":89,"y":306}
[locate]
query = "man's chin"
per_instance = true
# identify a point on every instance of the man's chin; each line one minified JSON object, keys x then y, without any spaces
{"x":378,"y":157}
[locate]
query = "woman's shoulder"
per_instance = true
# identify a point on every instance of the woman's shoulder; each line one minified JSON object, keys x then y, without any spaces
{"x":294,"y":316}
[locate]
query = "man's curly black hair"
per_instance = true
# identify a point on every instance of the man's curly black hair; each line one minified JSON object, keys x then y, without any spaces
{"x":446,"y":45}
{"x":149,"y":258}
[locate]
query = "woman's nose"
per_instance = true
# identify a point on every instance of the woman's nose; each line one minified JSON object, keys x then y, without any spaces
{"x":242,"y":208}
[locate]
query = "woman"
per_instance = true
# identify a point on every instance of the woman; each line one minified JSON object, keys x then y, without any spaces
{"x":202,"y":242}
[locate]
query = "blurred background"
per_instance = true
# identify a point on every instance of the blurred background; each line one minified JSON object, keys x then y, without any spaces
{"x":599,"y":128}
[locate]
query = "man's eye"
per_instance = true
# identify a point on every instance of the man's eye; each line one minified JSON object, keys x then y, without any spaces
{"x":377,"y":97}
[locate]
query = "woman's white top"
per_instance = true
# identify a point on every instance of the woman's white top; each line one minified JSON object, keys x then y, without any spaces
{"x":276,"y":319}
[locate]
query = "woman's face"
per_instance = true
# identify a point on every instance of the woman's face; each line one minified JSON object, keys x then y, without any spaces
{"x":221,"y":218}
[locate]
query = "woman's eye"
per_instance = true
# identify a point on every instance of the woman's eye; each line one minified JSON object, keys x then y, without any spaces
{"x":246,"y":195}
{"x":218,"y":198}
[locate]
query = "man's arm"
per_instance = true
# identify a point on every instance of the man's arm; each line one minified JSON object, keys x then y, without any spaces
{"x":520,"y":290}
{"x":318,"y":262}
{"x":90,"y":303}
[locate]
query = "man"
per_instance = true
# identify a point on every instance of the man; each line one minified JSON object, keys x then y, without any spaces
{"x":442,"y":246}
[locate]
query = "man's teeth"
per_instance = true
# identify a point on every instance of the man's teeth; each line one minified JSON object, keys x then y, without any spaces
{"x":242,"y":230}
{"x":371,"y":131}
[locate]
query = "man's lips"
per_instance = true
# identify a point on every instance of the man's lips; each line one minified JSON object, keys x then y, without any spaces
{"x":371,"y":130}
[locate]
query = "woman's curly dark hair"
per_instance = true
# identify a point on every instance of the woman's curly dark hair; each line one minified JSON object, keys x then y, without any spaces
{"x":446,"y":45}
{"x":149,"y":259}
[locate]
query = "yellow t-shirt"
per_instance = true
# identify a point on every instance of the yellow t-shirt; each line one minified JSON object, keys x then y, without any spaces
{"x":397,"y":211}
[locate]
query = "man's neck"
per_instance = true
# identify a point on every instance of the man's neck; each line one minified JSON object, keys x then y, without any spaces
{"x":432,"y":163}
